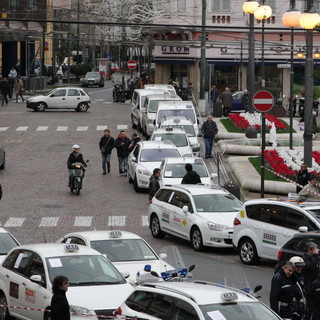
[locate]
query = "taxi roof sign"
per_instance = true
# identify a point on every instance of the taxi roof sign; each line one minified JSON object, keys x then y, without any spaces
{"x":71,"y":247}
{"x":115,"y":234}
{"x":229,"y":296}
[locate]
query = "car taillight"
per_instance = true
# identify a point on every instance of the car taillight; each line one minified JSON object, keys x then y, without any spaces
{"x":236,"y":222}
{"x":280,"y":255}
{"x":118,"y":312}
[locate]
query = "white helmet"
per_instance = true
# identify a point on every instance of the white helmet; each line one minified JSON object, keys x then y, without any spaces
{"x":75,"y":146}
{"x":297,"y":261}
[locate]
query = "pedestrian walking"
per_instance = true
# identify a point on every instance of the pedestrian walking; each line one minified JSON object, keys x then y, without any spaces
{"x":312,"y":189}
{"x":190,"y":91}
{"x":134,"y":140}
{"x":18,"y":86}
{"x":191,"y":177}
{"x":140,"y":84}
{"x":245,"y":100}
{"x":310,"y":273}
{"x":106,"y":145}
{"x":302,"y":176}
{"x":64,"y":69}
{"x":282,"y":291}
{"x":13,"y":73}
{"x":154,"y":184}
{"x":215,"y":94}
{"x":4,"y":88}
{"x":60,"y":309}
{"x":11,"y":86}
{"x":122,"y":146}
{"x":226,"y":99}
{"x":209,"y":129}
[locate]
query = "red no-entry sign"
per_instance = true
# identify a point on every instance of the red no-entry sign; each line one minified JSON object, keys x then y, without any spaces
{"x":263,"y":101}
{"x":132,"y":64}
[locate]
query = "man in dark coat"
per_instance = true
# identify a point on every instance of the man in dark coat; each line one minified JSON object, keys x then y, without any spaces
{"x":282,"y":291}
{"x":302,"y":176}
{"x":106,"y":145}
{"x":4,"y":89}
{"x":122,"y":146}
{"x":154,"y":185}
{"x":134,"y":140}
{"x":191,"y":177}
{"x":209,"y":129}
{"x":60,"y":309}
{"x":215,"y":94}
{"x":226,"y":99}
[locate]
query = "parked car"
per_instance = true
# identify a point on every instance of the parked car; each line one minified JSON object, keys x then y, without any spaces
{"x":237,"y":103}
{"x":2,"y":157}
{"x":200,"y":214}
{"x":127,"y":251}
{"x":7,"y":242}
{"x":93,"y":79}
{"x":263,"y":226}
{"x":61,"y":98}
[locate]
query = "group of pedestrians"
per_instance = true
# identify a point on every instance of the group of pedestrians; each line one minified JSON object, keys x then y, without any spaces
{"x":307,"y":183}
{"x":295,"y":287}
{"x":10,"y":83}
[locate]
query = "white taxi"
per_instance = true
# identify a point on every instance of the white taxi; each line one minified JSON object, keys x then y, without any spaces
{"x":96,"y":287}
{"x":146,"y":156}
{"x":177,"y":136}
{"x":7,"y":242}
{"x":200,"y":214}
{"x":127,"y":251}
{"x":173,"y":170}
{"x":187,"y":126}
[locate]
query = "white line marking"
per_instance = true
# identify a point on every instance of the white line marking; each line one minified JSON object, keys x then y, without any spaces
{"x":85,"y":128}
{"x":145,"y":221}
{"x":49,"y":222}
{"x":98,"y":100}
{"x":122,"y":127}
{"x":107,"y":102}
{"x":42,"y":128}
{"x":14,"y":222}
{"x":82,"y":221}
{"x":262,"y":101}
{"x":117,"y":221}
{"x":101,"y":128}
{"x":62,"y":128}
{"x":22,"y":129}
{"x":4,"y":128}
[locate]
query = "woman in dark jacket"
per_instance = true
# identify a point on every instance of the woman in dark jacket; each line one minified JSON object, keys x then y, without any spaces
{"x":59,"y":303}
{"x":122,"y":146}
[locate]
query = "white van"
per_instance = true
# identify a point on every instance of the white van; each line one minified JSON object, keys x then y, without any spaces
{"x":150,"y":110}
{"x":183,"y":109}
{"x":263,"y":226}
{"x":168,"y":87}
{"x":137,"y":103}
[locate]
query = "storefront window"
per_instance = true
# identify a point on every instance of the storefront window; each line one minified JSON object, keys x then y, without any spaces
{"x":179,"y":73}
{"x":224,"y":76}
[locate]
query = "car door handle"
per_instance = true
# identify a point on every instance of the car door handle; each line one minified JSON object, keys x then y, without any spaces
{"x":63,"y":98}
{"x":24,"y":284}
{"x":7,"y":276}
{"x":78,"y":98}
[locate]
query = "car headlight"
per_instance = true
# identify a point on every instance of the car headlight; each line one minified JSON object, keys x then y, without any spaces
{"x":188,"y":155}
{"x":144,"y":172}
{"x":80,"y":311}
{"x":217,"y":227}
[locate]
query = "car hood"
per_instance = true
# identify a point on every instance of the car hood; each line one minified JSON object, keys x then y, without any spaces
{"x":149,"y":165}
{"x":38,"y":98}
{"x":193,"y":140}
{"x":225,"y":218}
{"x":99,"y":297}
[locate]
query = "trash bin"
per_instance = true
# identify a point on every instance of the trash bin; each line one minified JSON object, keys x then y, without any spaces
{"x":232,"y":188}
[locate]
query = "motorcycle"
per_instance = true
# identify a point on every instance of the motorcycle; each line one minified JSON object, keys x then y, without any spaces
{"x":77,"y":175}
{"x":315,"y":107}
{"x":118,"y":93}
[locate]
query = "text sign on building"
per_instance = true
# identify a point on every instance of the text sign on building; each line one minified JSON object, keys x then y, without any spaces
{"x":175,"y":50}
{"x":263,"y":101}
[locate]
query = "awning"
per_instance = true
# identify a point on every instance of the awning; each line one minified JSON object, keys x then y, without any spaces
{"x":174,"y":60}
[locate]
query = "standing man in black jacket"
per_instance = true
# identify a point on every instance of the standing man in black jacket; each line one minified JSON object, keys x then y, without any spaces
{"x":134,"y":140}
{"x":122,"y":146}
{"x":154,"y":184}
{"x":191,"y":177}
{"x":209,"y":129}
{"x":302,"y":176}
{"x":106,"y":145}
{"x":60,"y":309}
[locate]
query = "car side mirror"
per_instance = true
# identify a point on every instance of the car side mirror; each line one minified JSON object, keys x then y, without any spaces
{"x":185,"y":209}
{"x":163,"y":256}
{"x":36,"y":278}
{"x":134,"y":159}
{"x":126,"y":274}
{"x":303,"y":229}
{"x":199,"y":135}
{"x":213,"y":175}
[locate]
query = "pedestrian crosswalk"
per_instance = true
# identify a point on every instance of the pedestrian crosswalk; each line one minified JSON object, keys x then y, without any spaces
{"x":77,"y":221}
{"x":61,"y":128}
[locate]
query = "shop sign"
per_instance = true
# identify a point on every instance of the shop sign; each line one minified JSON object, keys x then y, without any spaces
{"x":175,"y":50}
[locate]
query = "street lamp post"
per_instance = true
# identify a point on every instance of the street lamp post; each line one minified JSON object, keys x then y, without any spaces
{"x":202,"y":101}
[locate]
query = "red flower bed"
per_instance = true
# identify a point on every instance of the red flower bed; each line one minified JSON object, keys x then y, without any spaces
{"x":239,"y":121}
{"x":277,"y":163}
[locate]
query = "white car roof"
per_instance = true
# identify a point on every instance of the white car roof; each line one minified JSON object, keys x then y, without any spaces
{"x":159,"y":86}
{"x":169,"y":130}
{"x":164,"y":96}
{"x":146,"y":92}
{"x":196,"y":189}
{"x":175,"y":105}
{"x":184,"y":160}
{"x":48,"y":250}
{"x":176,"y":121}
{"x":200,"y":293}
{"x":157,"y":144}
{"x":306,"y":205}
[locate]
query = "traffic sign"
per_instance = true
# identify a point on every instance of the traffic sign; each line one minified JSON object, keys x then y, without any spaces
{"x":263,"y":101}
{"x":132,"y":64}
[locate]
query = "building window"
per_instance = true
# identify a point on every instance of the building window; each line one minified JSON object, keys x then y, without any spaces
{"x":14,"y":4}
{"x":32,"y":4}
{"x":221,"y":5}
{"x":181,"y":5}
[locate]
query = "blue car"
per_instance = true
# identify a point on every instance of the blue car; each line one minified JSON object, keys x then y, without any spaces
{"x":236,"y":103}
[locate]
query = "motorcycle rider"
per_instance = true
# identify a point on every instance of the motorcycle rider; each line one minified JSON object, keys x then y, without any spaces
{"x":75,"y":156}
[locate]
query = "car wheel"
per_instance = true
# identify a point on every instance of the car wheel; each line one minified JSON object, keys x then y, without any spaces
{"x":83,"y":107}
{"x":134,"y":126}
{"x":4,"y":312}
{"x":4,"y":162}
{"x":196,"y":239}
{"x":41,"y":106}
{"x":135,"y":185}
{"x":248,"y":252}
{"x":155,"y":227}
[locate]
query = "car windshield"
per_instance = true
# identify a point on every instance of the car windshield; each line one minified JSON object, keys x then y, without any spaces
{"x":84,"y":270}
{"x":150,"y":155}
{"x":239,"y":311}
{"x":153,"y":105}
{"x":48,"y":93}
{"x":188,"y":113}
{"x":315,"y":213}
{"x":216,"y":203}
{"x":6,"y":243}
{"x":177,"y":170}
{"x":124,"y":250}
{"x":178,"y":139}
{"x":188,"y":128}
{"x":92,"y":75}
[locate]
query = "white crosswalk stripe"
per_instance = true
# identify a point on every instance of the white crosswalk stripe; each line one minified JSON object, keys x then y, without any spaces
{"x":101,"y":128}
{"x":145,"y":221}
{"x":22,"y":129}
{"x":42,"y":128}
{"x":49,"y":222}
{"x":14,"y":222}
{"x":65,"y":128}
{"x":83,"y":221}
{"x":4,"y":128}
{"x":84,"y":128}
{"x":122,"y":127}
{"x":116,"y":221}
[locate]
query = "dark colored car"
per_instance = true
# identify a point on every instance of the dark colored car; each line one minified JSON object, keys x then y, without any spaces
{"x":93,"y":79}
{"x":297,"y":246}
{"x":2,"y":157}
{"x":237,"y":103}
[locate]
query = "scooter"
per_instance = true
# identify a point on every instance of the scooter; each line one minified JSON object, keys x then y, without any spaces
{"x":315,"y":107}
{"x":118,"y":93}
{"x":77,"y":175}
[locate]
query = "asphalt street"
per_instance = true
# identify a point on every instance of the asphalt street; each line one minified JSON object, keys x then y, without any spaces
{"x":37,"y":205}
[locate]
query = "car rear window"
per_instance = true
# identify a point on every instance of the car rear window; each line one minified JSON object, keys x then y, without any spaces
{"x":150,"y":155}
{"x":178,"y":139}
{"x":188,"y":113}
{"x":216,"y":203}
{"x":177,"y":170}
